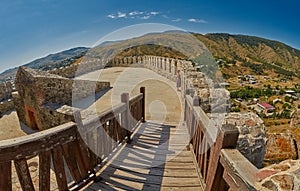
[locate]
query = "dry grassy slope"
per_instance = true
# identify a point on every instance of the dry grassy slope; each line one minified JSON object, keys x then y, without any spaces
{"x":231,"y":48}
{"x":151,"y":49}
{"x":237,"y":48}
{"x":186,"y":44}
{"x":252,"y":49}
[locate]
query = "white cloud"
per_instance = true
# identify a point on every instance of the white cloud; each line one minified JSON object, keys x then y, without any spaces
{"x":145,"y":17}
{"x":111,"y":16}
{"x":165,"y":16}
{"x":154,"y":13}
{"x":135,"y":13}
{"x":121,"y":15}
{"x":176,"y":20}
{"x":192,"y":20}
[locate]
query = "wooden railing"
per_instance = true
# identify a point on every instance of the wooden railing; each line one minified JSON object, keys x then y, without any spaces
{"x":221,"y":166}
{"x":79,"y":147}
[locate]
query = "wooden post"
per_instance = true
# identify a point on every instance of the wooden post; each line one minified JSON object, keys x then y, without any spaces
{"x":5,"y":176}
{"x":125,"y":99}
{"x":227,"y":138}
{"x":142,"y":90}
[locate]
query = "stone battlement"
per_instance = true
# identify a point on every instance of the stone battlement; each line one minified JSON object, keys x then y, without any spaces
{"x":36,"y":90}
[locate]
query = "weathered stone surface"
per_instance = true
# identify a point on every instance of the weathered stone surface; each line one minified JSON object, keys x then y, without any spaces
{"x":6,"y":106}
{"x":284,"y":177}
{"x":252,"y":138}
{"x":280,"y":147}
{"x":5,"y":90}
{"x":38,"y":91}
{"x":295,"y":122}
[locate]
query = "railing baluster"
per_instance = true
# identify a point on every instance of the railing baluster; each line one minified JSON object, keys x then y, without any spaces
{"x":24,"y":174}
{"x":143,"y":101}
{"x":44,"y":170}
{"x":127,"y":125}
{"x":59,"y":169}
{"x":81,"y":154}
{"x":5,"y":176}
{"x":71,"y":162}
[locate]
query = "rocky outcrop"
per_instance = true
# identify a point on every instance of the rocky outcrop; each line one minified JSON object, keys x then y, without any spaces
{"x":295,"y":122}
{"x":252,"y":138}
{"x":280,"y":147}
{"x":284,"y":176}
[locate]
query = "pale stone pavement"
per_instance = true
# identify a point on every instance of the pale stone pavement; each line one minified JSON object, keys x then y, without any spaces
{"x":163,"y":102}
{"x":10,"y":126}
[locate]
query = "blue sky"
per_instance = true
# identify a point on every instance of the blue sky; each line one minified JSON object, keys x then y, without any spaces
{"x":35,"y":28}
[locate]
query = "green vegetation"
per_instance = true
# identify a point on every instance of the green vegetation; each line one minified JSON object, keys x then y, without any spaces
{"x":250,"y":92}
{"x":256,"y":68}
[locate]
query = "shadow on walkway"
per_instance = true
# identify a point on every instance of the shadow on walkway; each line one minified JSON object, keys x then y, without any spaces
{"x":156,"y":158}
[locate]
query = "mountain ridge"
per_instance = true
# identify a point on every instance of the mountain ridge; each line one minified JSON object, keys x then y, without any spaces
{"x":251,"y":53}
{"x":51,"y":59}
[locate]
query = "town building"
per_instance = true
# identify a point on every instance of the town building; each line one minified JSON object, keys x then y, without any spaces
{"x":266,"y":107}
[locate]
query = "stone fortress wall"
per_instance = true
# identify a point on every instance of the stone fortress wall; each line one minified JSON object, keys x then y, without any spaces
{"x":44,"y":100}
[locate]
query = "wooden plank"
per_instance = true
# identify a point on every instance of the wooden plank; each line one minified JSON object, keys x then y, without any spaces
{"x":5,"y":176}
{"x":68,"y":152}
{"x":122,"y":176}
{"x":201,"y":161}
{"x":59,"y":168}
{"x":37,"y":142}
{"x":227,"y":137}
{"x":186,"y":188}
{"x":154,"y":158}
{"x":44,"y":170}
{"x":153,"y":171}
{"x":238,"y":171}
{"x":213,"y":172}
{"x":205,"y":160}
{"x":100,"y":144}
{"x":81,"y":155}
{"x":24,"y":174}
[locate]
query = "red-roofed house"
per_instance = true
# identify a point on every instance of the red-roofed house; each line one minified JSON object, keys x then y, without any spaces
{"x":266,"y":107}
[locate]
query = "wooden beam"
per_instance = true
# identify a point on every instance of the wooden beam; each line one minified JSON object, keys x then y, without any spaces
{"x":239,"y":172}
{"x":126,"y":120}
{"x":5,"y":176}
{"x":59,"y":168}
{"x":24,"y":174}
{"x":44,"y":170}
{"x":143,"y":91}
{"x":30,"y":145}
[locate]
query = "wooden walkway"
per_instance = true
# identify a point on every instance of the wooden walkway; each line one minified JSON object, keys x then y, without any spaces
{"x":156,"y":159}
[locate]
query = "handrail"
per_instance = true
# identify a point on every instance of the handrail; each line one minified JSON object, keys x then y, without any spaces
{"x":67,"y":146}
{"x":239,"y":173}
